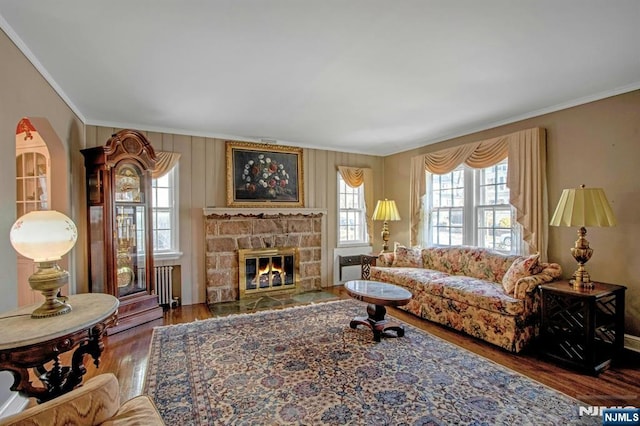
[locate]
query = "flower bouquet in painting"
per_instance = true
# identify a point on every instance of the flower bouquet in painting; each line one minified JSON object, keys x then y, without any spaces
{"x":266,"y":178}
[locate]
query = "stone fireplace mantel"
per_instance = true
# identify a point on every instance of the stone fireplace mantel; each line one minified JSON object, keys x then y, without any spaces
{"x":261,"y":211}
{"x":228,"y":230}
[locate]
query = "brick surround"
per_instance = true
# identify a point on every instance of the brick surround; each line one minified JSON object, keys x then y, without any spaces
{"x":225,"y":234}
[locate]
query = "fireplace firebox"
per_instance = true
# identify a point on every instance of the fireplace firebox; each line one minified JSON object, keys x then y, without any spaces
{"x":267,"y":270}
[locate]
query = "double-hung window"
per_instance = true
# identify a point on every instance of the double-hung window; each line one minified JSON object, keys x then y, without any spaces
{"x":165,"y":214}
{"x":471,"y":207}
{"x":352,"y":223}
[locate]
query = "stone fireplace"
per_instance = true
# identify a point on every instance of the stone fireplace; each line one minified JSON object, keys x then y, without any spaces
{"x":232,"y":232}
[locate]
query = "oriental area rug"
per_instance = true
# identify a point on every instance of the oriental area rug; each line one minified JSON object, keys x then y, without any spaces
{"x":306,"y":366}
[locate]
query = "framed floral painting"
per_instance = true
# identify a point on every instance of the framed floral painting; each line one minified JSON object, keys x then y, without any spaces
{"x":262,"y":175}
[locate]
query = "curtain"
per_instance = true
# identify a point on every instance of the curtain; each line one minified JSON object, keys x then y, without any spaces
{"x":165,"y":161}
{"x":418,"y":188}
{"x":526,"y":179}
{"x":354,"y":177}
{"x":527,"y":182}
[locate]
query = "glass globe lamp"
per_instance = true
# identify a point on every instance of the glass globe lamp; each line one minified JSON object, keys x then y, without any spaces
{"x":45,"y":236}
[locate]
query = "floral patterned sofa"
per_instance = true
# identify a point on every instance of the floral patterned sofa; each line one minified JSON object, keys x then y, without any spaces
{"x":486,"y":294}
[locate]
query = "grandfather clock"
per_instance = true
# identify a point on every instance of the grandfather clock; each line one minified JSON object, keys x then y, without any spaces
{"x":120,"y":225}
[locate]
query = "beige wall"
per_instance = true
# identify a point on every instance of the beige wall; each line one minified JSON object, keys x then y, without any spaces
{"x":25,"y":93}
{"x":202,"y":182}
{"x":596,"y":144}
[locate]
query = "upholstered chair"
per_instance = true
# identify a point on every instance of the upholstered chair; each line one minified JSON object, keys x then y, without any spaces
{"x":96,"y":402}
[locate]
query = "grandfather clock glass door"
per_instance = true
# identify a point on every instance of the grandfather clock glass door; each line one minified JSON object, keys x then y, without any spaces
{"x":131,"y":230}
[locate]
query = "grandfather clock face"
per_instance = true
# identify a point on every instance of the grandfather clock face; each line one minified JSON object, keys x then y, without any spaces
{"x":129,"y":186}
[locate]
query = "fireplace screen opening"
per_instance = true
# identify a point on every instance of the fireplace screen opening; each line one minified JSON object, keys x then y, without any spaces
{"x":264,"y":270}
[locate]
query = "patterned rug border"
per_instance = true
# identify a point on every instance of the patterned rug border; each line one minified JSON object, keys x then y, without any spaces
{"x":351,"y":302}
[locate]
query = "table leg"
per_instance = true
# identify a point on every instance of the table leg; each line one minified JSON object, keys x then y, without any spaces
{"x":377,"y":323}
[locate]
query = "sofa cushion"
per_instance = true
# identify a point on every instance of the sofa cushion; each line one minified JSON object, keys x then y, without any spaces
{"x":407,"y":257}
{"x":476,"y":262}
{"x":414,"y":279}
{"x":520,"y":268}
{"x":480,"y":293}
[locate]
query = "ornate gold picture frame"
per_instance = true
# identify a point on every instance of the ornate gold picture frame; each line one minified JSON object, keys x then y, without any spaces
{"x":263,"y":175}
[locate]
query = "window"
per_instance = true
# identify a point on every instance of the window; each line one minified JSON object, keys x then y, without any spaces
{"x":165,"y":217}
{"x":352,"y":227}
{"x":471,"y":206}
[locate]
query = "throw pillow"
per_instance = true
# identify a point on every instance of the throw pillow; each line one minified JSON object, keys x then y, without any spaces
{"x":520,"y":268}
{"x":408,"y":257}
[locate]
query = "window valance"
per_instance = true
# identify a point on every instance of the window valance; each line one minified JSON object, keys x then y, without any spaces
{"x":165,"y":161}
{"x":526,"y":179}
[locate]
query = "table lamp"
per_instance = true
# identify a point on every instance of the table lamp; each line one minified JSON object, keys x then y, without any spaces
{"x":45,"y":236}
{"x":386,"y":210}
{"x":583,"y":207}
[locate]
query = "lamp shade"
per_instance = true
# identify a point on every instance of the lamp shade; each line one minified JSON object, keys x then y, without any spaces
{"x":582,"y":206}
{"x":44,"y":235}
{"x":386,"y":210}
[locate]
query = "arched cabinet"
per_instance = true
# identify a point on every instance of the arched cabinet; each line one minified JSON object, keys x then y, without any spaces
{"x":33,"y":192}
{"x":119,"y":215}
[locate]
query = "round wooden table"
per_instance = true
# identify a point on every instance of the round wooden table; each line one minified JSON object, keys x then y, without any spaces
{"x":378,"y":295}
{"x":36,"y":343}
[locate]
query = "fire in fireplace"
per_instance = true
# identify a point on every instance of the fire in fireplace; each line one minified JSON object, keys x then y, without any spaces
{"x":266,"y":270}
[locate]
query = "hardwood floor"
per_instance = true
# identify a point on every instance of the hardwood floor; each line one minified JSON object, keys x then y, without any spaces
{"x":126,"y":354}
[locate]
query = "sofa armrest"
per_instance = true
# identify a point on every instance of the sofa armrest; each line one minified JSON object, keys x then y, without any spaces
{"x":549,"y":272}
{"x":94,"y":402}
{"x":385,"y":259}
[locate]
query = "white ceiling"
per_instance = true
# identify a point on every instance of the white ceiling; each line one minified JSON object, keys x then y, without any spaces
{"x":371,"y":76}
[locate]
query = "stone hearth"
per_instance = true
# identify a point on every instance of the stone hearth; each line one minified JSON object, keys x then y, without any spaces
{"x":225,"y":234}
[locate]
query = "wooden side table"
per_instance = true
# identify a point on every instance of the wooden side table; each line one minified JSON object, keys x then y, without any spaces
{"x":27,"y":343}
{"x":582,"y":328}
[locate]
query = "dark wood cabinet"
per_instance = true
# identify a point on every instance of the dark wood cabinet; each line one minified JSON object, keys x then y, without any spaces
{"x":344,"y":261}
{"x":119,"y":219}
{"x":582,"y":328}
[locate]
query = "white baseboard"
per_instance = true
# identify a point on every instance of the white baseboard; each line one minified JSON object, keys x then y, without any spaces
{"x":13,"y":405}
{"x":632,"y":342}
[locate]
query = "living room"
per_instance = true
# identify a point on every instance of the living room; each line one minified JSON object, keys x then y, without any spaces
{"x":592,"y":141}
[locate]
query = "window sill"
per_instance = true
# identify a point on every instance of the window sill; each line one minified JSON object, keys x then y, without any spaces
{"x":170,"y":255}
{"x":352,"y":245}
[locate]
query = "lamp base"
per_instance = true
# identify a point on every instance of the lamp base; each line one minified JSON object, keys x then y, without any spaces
{"x":48,"y":279}
{"x":51,"y":308}
{"x":385,"y":237}
{"x":581,"y":252}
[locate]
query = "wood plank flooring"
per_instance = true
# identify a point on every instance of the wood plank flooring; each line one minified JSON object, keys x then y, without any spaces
{"x":126,"y":355}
